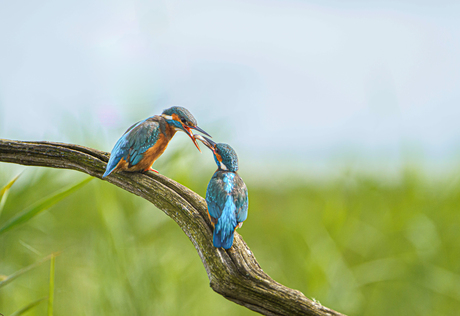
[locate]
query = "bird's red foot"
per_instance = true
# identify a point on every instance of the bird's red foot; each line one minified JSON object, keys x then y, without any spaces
{"x":151,"y":169}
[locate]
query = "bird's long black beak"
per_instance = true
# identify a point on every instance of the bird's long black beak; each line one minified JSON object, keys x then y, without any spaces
{"x":200,"y":130}
{"x":206,"y":141}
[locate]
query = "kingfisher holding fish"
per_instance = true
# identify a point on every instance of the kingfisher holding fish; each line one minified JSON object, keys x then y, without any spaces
{"x":146,"y":140}
{"x":226,"y":195}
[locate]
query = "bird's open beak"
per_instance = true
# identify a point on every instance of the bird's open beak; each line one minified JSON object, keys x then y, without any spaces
{"x":209,"y":143}
{"x":188,"y":131}
{"x":200,"y":130}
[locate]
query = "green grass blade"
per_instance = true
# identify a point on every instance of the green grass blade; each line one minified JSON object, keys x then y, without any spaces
{"x":24,"y":270}
{"x":4,"y":192}
{"x":28,"y":307}
{"x":41,"y":206}
{"x":51,"y":292}
{"x":29,"y":247}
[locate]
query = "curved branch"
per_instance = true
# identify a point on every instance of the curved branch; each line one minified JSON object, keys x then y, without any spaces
{"x":235,"y":273}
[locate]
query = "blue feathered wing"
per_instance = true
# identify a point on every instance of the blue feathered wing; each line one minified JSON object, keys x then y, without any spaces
{"x":134,"y":143}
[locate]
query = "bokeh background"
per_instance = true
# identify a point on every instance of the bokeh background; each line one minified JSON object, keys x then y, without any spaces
{"x":344,"y":115}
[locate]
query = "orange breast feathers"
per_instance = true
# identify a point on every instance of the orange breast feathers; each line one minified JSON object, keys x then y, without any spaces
{"x":153,"y":153}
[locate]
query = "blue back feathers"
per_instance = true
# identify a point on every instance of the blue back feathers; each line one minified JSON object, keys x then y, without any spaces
{"x":225,"y":227}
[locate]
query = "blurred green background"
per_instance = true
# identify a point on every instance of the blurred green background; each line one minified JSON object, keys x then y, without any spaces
{"x":361,"y":244}
{"x":344,"y":115}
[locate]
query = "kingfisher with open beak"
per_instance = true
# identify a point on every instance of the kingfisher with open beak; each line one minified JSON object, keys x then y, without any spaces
{"x":146,"y":140}
{"x":226,"y":195}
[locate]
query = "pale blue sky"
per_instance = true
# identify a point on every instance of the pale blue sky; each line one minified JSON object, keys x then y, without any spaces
{"x":303,"y":80}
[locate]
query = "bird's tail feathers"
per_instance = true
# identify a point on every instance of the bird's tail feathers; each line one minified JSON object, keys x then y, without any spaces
{"x":111,"y":165}
{"x":224,"y":230}
{"x":107,"y":172}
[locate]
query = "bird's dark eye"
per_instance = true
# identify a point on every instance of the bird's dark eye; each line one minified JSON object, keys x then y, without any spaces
{"x":183,"y":120}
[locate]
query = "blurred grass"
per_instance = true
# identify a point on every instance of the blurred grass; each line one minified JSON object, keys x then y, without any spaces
{"x":7,"y":279}
{"x":40,"y":206}
{"x":26,"y":308}
{"x":360,"y":244}
{"x":51,"y":287}
{"x":4,"y":192}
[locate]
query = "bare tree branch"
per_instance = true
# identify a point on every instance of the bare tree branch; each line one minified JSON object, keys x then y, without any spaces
{"x":233,"y":273}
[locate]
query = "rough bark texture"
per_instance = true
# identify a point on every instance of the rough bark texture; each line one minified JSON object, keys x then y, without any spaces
{"x":235,"y":273}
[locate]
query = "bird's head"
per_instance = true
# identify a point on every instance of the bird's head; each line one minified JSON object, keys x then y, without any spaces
{"x":182,"y":120}
{"x":224,"y":155}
